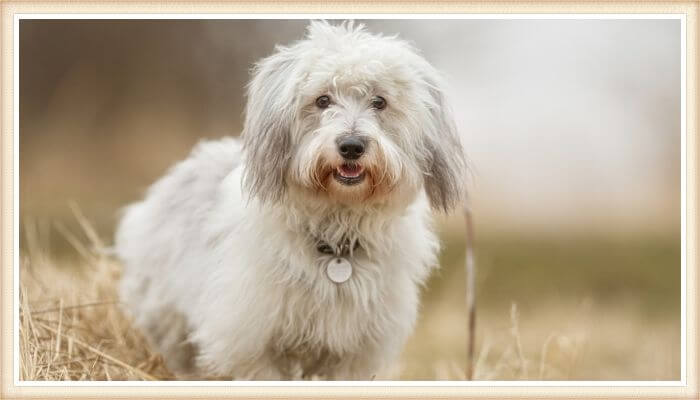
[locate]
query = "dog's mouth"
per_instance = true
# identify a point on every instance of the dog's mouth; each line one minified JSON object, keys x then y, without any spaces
{"x":349,"y":174}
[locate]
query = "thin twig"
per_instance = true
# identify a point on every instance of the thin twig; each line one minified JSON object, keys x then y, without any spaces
{"x":74,"y":241}
{"x":543,"y":353}
{"x":60,"y":323}
{"x":67,"y":362}
{"x":104,"y":355}
{"x":28,"y":316}
{"x":98,"y":303}
{"x":90,"y":232}
{"x":515,"y":332}
{"x":481,"y":359}
{"x":470,"y":295}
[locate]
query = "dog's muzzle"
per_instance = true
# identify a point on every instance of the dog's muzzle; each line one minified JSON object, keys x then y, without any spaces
{"x":351,"y":148}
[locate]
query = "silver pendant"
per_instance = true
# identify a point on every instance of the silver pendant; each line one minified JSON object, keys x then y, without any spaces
{"x":339,"y":269}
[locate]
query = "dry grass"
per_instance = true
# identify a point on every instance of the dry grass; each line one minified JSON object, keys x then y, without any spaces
{"x":584,"y":341}
{"x":501,"y":355}
{"x":71,"y":328}
{"x":70,"y":324}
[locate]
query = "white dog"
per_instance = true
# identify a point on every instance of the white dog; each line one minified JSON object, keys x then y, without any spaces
{"x":300,"y":250}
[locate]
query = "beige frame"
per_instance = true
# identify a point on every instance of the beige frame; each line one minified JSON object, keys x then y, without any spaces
{"x":491,"y":390}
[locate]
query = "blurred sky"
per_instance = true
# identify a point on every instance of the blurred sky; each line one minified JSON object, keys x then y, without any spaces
{"x":569,"y":125}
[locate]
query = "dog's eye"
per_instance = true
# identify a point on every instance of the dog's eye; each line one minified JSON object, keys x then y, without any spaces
{"x":379,"y":102}
{"x":323,"y":102}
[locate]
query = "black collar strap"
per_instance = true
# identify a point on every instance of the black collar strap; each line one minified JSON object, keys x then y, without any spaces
{"x":342,"y":251}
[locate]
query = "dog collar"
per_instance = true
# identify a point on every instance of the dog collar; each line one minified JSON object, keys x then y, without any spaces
{"x":341,"y":251}
{"x":338,"y":268}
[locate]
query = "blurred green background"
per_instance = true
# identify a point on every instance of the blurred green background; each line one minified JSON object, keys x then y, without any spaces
{"x":573,"y":132}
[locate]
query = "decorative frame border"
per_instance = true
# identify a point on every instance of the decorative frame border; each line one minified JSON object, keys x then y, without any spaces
{"x":13,"y":11}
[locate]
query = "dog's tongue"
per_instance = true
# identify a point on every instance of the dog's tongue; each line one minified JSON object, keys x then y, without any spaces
{"x":350,"y":170}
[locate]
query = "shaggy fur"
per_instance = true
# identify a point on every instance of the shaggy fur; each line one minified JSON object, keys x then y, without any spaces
{"x":222,"y":273}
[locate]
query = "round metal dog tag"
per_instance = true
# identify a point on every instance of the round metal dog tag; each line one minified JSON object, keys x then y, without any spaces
{"x":339,"y":270}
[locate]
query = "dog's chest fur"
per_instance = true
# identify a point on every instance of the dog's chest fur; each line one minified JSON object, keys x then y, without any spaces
{"x":319,"y":321}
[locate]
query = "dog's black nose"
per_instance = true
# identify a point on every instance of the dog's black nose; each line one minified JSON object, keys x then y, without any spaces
{"x":351,"y":148}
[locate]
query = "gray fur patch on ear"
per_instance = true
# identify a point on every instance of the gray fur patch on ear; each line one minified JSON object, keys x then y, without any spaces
{"x":270,"y":113}
{"x":445,"y":182}
{"x":444,"y":186}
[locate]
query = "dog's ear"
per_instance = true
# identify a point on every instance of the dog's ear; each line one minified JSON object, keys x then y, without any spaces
{"x":270,"y":113}
{"x":445,"y":164}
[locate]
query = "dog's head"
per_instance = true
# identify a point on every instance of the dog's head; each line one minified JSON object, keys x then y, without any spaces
{"x":351,"y":118}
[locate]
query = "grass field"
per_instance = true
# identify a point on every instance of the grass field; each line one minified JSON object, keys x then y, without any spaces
{"x":579,"y":308}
